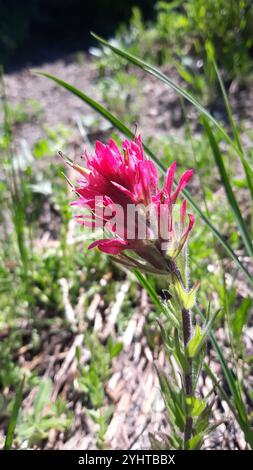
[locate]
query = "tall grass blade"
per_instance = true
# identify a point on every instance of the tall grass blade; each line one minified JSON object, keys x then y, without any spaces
{"x":149,"y":288}
{"x":185,"y":94}
{"x":228,"y":188}
{"x":14,"y":416}
{"x":246,"y":166}
{"x":154,"y":71}
{"x":238,"y":407}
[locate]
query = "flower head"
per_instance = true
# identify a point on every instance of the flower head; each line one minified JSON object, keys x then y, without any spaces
{"x":120,"y":189}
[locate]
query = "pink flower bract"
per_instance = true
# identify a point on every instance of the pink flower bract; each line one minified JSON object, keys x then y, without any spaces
{"x":115,"y":178}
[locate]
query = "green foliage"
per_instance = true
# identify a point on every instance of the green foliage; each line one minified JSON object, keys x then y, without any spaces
{"x":190,"y":33}
{"x":24,"y":111}
{"x":34,"y":427}
{"x":101,"y":417}
{"x":240,"y":318}
{"x":122,"y":92}
{"x":28,"y":192}
{"x":55,"y":139}
{"x":29,"y":189}
{"x":92,"y":378}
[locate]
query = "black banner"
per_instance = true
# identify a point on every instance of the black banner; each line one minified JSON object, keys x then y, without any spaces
{"x":111,"y":459}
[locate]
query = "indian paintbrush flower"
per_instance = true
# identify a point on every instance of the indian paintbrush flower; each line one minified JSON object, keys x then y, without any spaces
{"x":121,"y":191}
{"x":149,"y":232}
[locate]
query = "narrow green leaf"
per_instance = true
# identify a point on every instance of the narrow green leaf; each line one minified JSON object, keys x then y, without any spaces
{"x":228,"y":189}
{"x":101,"y":110}
{"x":196,"y":342}
{"x":245,"y":426}
{"x":197,"y":364}
{"x":14,"y":416}
{"x":238,"y":407}
{"x":179,"y":354}
{"x":203,"y":419}
{"x":171,"y":399}
{"x":240,"y":317}
{"x":114,"y":348}
{"x":195,"y":406}
{"x":151,"y":291}
{"x":42,"y":397}
{"x":122,"y":128}
{"x":246,"y":166}
{"x":231,"y":381}
{"x":170,"y":314}
{"x":222,"y":391}
{"x":154,"y":71}
{"x":196,"y":441}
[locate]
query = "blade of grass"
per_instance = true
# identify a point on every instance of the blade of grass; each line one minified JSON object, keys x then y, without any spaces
{"x":227,"y":372}
{"x":244,"y":427}
{"x":149,"y":288}
{"x":241,"y":413}
{"x":246,"y":166}
{"x":237,"y":406}
{"x":11,"y":176}
{"x":14,"y":416}
{"x":228,"y":188}
{"x":185,"y":94}
{"x":128,"y":133}
{"x":101,"y":110}
{"x":154,"y":71}
{"x":189,"y":134}
{"x":222,"y":392}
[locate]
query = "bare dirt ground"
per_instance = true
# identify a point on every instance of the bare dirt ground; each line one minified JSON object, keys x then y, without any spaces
{"x":133,"y":387}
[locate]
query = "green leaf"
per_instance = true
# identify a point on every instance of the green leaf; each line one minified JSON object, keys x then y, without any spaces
{"x":202,"y":422}
{"x":195,"y":406}
{"x":122,"y":128}
{"x":166,"y":338}
{"x":179,"y":354}
{"x":240,"y":317}
{"x":185,"y":298}
{"x":42,"y":397}
{"x":228,"y":189}
{"x":196,"y":441}
{"x":170,"y":313}
{"x":197,"y":368}
{"x":196,"y":342}
{"x":172,"y":400}
{"x":14,"y":416}
{"x":114,"y":348}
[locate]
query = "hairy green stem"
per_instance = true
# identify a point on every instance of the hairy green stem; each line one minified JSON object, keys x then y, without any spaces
{"x":186,"y":320}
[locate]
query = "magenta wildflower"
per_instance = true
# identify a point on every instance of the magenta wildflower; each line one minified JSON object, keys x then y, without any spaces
{"x":126,"y":179}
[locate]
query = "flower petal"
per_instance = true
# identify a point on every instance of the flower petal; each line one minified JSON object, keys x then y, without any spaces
{"x":185,"y":178}
{"x":112,"y":246}
{"x":169,"y":178}
{"x":183,"y":213}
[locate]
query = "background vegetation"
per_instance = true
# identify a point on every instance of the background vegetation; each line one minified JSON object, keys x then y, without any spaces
{"x":65,"y":312}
